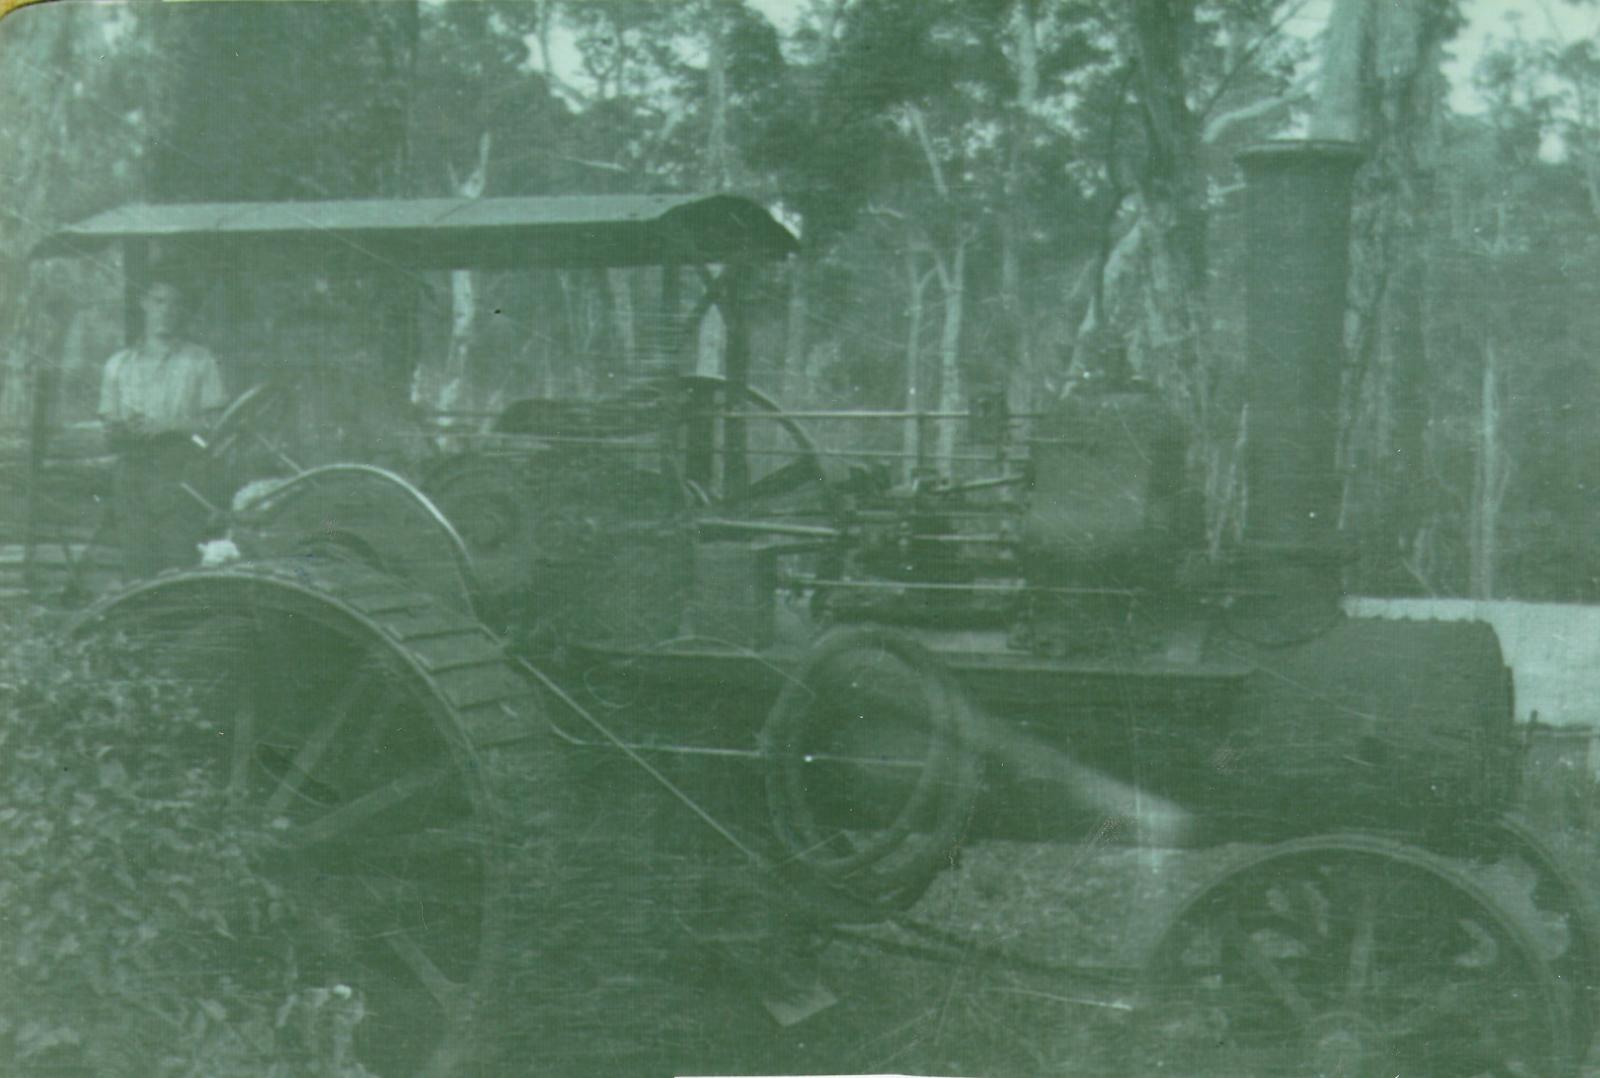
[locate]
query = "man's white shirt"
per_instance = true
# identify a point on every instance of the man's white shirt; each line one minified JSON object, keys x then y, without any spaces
{"x":161,"y":392}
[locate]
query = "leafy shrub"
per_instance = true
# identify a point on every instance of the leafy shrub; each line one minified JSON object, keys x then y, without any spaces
{"x":138,"y":934}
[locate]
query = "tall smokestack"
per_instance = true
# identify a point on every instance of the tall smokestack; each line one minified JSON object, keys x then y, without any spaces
{"x":1298,"y":220}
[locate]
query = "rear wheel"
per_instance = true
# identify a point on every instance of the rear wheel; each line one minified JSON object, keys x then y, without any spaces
{"x":357,"y":720}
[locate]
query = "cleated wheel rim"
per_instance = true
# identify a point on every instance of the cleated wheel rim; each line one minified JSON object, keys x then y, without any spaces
{"x":1514,"y":861}
{"x":1351,"y":957}
{"x":345,"y":709}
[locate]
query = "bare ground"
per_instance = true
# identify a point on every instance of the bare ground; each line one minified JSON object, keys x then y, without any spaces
{"x":636,"y":954}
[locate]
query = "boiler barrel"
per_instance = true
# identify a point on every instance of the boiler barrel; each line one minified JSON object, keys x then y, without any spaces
{"x":1389,"y":725}
{"x":1382,"y":724}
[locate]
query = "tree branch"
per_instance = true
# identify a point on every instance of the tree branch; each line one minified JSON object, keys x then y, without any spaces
{"x":1249,"y":54}
{"x":1218,"y":125}
{"x":920,"y":127}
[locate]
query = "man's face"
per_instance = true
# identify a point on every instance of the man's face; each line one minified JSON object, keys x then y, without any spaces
{"x":161,"y":306}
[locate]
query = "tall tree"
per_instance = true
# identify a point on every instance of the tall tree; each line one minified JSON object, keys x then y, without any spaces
{"x":1170,"y":185}
{"x":1382,"y":85}
{"x":76,"y":78}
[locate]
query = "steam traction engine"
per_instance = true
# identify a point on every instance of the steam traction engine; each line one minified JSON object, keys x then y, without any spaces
{"x":894,"y":671}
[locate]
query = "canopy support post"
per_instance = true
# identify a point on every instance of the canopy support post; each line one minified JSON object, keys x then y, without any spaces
{"x":736,"y":369}
{"x":135,"y":272}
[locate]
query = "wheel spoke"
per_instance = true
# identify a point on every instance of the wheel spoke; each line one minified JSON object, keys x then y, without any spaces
{"x":275,"y":761}
{"x":351,"y":815}
{"x":1359,"y":972}
{"x":446,"y":993}
{"x":1383,"y":956}
{"x":1266,"y":970}
{"x":432,"y":842}
{"x":363,"y":819}
{"x":1445,"y":1003}
{"x":304,"y":763}
{"x":243,"y":746}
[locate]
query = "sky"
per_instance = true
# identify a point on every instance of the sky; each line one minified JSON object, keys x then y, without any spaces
{"x":1487,"y":20}
{"x":1490,"y":20}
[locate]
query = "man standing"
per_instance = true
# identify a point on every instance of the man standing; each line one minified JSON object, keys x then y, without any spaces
{"x":154,"y":398}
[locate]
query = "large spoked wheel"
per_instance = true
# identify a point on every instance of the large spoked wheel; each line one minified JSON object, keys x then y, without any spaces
{"x":355,"y":719}
{"x":1356,"y":957}
{"x":1525,"y":874}
{"x":872,"y":769}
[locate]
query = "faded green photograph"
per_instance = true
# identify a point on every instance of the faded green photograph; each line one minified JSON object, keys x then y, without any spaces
{"x":967,"y":538}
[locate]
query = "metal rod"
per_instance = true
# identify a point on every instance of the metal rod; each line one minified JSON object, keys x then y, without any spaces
{"x":808,"y":413}
{"x":614,"y":444}
{"x":814,"y":531}
{"x":980,"y":484}
{"x":974,"y":538}
{"x":666,"y":783}
{"x":756,"y":527}
{"x":943,"y":946}
{"x":855,"y":413}
{"x":205,"y":503}
{"x":896,"y":762}
{"x":892,"y":454}
{"x":802,"y":581}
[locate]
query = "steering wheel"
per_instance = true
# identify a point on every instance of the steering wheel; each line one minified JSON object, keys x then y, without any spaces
{"x":247,"y":430}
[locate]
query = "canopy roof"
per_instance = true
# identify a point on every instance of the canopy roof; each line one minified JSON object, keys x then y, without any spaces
{"x":443,"y":233}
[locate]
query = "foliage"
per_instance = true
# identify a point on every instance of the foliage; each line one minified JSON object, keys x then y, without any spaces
{"x":139,"y":934}
{"x":987,"y":193}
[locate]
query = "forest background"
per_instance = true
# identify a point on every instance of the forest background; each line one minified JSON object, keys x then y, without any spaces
{"x":992,"y":196}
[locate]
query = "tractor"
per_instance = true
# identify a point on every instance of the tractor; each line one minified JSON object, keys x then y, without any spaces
{"x":848,"y":667}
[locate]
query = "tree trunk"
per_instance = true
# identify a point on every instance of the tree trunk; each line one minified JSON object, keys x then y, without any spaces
{"x":952,"y":274}
{"x":448,"y":387}
{"x":1171,"y":186}
{"x":719,"y":173}
{"x":1342,"y":99}
{"x":1017,"y":356}
{"x":798,"y":359}
{"x":1489,"y":481}
{"x":793,"y":381}
{"x":619,"y":286}
{"x":398,"y":32}
{"x":395,"y":297}
{"x":912,"y":433}
{"x":1380,"y":85}
{"x":41,"y":149}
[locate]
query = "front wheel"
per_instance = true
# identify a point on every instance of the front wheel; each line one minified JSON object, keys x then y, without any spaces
{"x":1351,"y":956}
{"x":872,"y":768}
